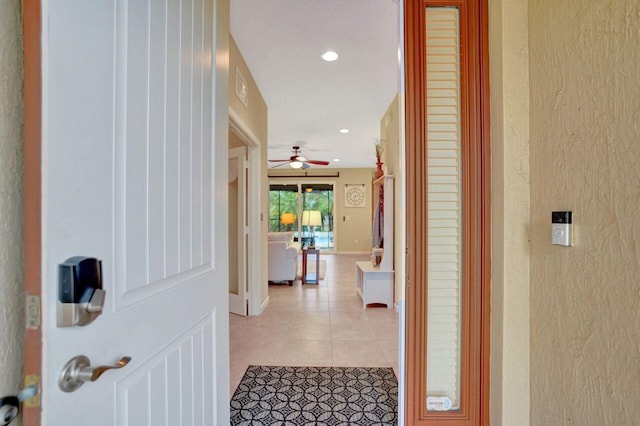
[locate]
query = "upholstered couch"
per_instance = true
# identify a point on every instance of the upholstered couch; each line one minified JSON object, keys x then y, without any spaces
{"x":283,"y":256}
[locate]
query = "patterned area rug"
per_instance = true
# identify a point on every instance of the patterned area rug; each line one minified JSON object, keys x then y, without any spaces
{"x":315,"y":396}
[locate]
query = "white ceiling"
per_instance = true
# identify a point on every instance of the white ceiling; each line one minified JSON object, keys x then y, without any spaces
{"x":310,"y":100}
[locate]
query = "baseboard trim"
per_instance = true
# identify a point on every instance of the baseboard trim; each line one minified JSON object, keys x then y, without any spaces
{"x":263,"y":306}
{"x":348,"y":252}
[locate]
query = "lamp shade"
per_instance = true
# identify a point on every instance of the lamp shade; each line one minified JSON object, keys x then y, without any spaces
{"x":288,"y":218}
{"x":312,"y":218}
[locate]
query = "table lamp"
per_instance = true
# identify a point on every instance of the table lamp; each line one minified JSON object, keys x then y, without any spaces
{"x":288,"y":219}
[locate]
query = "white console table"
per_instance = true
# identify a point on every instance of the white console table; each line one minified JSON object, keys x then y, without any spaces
{"x":374,"y":285}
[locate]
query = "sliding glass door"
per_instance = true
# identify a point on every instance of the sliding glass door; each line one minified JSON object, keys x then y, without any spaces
{"x":304,"y":208}
{"x":318,"y":197}
{"x":283,"y":208}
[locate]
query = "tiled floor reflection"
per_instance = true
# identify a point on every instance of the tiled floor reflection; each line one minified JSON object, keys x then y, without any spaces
{"x":316,"y":325}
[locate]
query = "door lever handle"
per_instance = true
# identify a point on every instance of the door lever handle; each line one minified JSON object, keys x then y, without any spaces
{"x":91,"y":374}
{"x":78,"y":371}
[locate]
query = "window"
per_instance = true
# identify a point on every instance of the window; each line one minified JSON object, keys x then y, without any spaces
{"x":283,"y":202}
{"x":448,"y":184}
{"x":444,"y":192}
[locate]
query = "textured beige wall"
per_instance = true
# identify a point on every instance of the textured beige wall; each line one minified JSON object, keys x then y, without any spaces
{"x":11,"y":289}
{"x":254,"y":115}
{"x":352,"y":224}
{"x":509,"y":68}
{"x":235,"y":141}
{"x":585,"y":157}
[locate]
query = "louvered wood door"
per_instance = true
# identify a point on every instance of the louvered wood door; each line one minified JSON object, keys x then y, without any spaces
{"x":447,"y":147}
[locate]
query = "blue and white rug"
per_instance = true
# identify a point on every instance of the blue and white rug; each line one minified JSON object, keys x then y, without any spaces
{"x":316,"y":396}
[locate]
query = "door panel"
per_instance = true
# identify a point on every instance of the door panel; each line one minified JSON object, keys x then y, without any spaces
{"x":141,"y":195}
{"x":153,"y":391}
{"x":131,"y":145}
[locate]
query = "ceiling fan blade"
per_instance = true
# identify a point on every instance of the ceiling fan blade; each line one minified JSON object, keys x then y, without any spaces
{"x":318,"y":162}
{"x":278,"y":161}
{"x":280,"y":165}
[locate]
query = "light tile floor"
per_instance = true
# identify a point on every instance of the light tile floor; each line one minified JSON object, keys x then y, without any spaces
{"x":316,"y":325}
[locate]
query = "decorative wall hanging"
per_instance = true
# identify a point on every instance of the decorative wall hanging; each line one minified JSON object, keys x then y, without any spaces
{"x":242,"y":89}
{"x":355,"y":195}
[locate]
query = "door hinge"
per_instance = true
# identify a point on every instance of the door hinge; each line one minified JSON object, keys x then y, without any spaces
{"x":32,"y":381}
{"x":32,"y":310}
{"x":406,"y":269}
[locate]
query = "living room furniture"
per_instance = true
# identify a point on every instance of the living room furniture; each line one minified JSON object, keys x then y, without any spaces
{"x":374,"y":284}
{"x":305,"y":254}
{"x":282,"y":257}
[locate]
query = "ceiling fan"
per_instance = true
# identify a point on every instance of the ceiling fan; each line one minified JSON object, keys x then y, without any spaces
{"x":297,"y":161}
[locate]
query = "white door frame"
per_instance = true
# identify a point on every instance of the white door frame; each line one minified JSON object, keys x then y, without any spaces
{"x":254,"y":249}
{"x":238,"y":302}
{"x":401,"y":205}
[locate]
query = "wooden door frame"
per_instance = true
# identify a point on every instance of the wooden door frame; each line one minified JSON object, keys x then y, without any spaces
{"x":32,"y":231}
{"x":475,"y":374}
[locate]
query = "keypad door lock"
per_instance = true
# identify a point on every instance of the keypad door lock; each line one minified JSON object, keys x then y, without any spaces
{"x":80,"y":295}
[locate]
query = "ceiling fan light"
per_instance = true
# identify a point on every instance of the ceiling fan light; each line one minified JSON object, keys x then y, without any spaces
{"x":330,"y":56}
{"x":296,"y":164}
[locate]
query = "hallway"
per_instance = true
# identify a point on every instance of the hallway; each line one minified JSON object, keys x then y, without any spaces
{"x":316,"y":325}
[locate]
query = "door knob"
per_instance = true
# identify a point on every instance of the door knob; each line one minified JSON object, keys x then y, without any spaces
{"x":78,"y":370}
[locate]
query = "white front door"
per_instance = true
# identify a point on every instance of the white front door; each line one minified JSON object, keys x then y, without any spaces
{"x":238,"y":232}
{"x":134,"y":173}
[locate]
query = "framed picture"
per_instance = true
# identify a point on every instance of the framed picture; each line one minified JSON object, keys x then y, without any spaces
{"x":355,"y":195}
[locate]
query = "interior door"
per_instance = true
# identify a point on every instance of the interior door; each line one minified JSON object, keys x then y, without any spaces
{"x":134,"y":172}
{"x":238,"y":232}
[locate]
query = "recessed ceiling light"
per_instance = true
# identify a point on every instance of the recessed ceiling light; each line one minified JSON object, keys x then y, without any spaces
{"x":336,"y":159}
{"x":344,"y":131}
{"x":330,"y":56}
